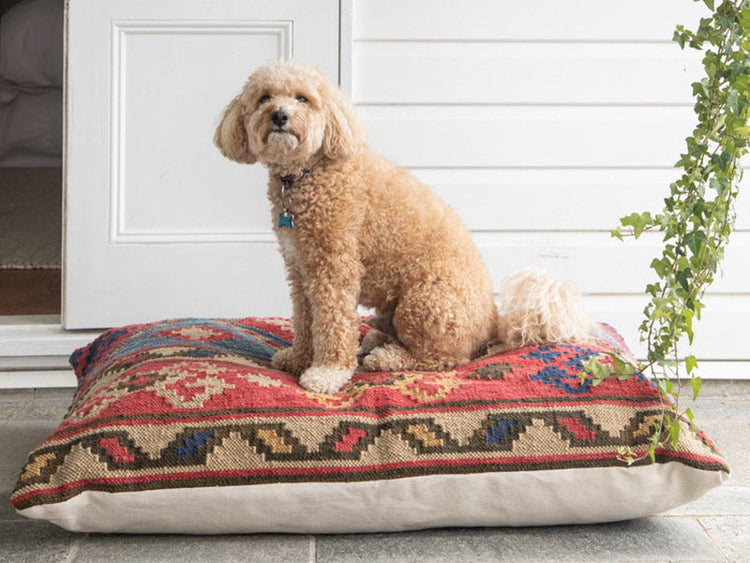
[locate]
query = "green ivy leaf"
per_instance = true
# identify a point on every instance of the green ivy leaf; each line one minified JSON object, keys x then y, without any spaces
{"x":687,"y":317}
{"x":695,"y":239}
{"x":638,"y":221}
{"x":690,"y":364}
{"x":690,"y":416}
{"x":695,"y":382}
{"x":683,"y":278}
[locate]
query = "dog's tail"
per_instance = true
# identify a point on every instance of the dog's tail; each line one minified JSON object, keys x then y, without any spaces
{"x":535,"y":309}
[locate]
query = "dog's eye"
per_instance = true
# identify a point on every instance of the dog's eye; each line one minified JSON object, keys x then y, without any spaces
{"x":264,"y":99}
{"x":302,"y":99}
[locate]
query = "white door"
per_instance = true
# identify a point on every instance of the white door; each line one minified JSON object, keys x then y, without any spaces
{"x":158,"y":223}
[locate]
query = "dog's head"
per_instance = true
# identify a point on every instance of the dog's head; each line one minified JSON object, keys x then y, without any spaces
{"x":287,"y":115}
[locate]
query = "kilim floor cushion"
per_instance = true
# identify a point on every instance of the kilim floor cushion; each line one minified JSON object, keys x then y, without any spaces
{"x":182,"y":426}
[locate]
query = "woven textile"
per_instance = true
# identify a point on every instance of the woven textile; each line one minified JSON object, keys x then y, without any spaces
{"x":194,"y":403}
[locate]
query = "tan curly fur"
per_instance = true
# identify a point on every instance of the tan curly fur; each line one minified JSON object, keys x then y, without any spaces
{"x":365,"y":233}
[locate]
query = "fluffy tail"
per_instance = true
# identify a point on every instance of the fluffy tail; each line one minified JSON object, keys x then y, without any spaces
{"x":535,"y":309}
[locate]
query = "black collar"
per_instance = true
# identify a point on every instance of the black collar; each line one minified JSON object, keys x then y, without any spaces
{"x":290,"y":179}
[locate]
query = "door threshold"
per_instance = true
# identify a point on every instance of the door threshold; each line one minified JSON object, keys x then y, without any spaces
{"x":34,"y":351}
{"x":25,"y":320}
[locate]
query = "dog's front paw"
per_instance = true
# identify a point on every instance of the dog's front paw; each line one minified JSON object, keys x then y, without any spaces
{"x":324,"y":379}
{"x":291,"y":361}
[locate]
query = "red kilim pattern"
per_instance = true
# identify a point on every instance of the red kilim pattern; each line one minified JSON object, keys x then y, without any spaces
{"x":195,"y":403}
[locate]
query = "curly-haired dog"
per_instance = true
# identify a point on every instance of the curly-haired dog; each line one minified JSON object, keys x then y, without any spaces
{"x":355,"y":229}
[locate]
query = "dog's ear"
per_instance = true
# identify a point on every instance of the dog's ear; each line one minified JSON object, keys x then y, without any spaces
{"x":231,"y":136}
{"x":344,"y":134}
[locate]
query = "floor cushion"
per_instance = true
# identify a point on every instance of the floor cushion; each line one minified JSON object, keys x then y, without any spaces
{"x":182,"y":426}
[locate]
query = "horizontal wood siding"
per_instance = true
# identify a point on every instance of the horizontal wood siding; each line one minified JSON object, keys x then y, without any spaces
{"x":541,"y":124}
{"x":528,"y":137}
{"x":589,"y":21}
{"x":525,"y":73}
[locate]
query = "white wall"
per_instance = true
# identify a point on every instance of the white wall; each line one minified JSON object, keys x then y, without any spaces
{"x":542,"y":123}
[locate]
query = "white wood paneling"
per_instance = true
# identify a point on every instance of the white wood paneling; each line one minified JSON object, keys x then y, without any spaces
{"x":524,"y":73}
{"x":600,"y":21}
{"x":156,"y":196}
{"x":716,"y":334}
{"x":542,"y":125}
{"x":556,"y":199}
{"x":528,"y":137}
{"x":598,"y":263}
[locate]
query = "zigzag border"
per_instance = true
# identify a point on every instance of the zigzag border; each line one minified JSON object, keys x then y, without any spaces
{"x":276,"y":443}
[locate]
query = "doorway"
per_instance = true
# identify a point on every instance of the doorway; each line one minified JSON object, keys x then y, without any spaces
{"x":31,"y":133}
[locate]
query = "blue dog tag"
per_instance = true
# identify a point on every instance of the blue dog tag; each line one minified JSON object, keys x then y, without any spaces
{"x":286,"y":220}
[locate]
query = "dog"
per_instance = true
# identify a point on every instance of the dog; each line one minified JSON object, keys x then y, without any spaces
{"x":355,"y":229}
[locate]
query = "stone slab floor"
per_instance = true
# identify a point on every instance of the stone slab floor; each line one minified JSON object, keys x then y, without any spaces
{"x":714,"y":528}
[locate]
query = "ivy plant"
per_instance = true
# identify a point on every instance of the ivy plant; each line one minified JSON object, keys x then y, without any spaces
{"x":697,"y":219}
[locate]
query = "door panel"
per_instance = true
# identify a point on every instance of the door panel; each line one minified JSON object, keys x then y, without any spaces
{"x":158,"y":223}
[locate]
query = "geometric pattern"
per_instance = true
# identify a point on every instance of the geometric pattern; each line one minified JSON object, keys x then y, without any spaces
{"x":195,"y":403}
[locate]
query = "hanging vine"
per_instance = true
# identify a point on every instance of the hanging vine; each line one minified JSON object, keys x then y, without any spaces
{"x":698,"y":215}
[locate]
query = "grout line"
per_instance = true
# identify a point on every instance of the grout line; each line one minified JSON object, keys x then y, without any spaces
{"x":75,"y":548}
{"x":711,"y":540}
{"x":706,"y":515}
{"x":703,"y":527}
{"x":313,"y":555}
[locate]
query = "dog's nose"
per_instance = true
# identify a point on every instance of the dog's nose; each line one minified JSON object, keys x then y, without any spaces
{"x":280,"y":117}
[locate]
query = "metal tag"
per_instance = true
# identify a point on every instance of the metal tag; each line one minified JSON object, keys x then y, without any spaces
{"x":286,"y":220}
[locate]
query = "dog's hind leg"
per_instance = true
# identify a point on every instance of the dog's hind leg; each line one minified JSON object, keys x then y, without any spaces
{"x":434,"y":332}
{"x":373,"y":339}
{"x":381,"y":332}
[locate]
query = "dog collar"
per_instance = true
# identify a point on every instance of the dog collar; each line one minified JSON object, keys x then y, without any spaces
{"x":286,"y":217}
